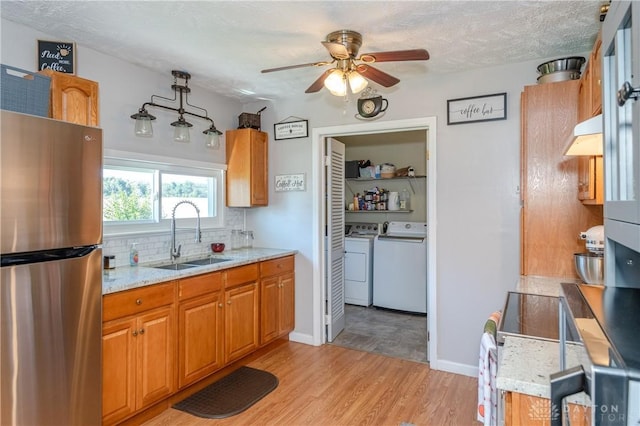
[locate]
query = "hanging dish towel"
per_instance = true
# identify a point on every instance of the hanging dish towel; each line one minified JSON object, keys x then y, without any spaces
{"x":487,"y":370}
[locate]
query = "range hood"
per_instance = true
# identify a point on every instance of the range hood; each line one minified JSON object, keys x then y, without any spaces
{"x":586,"y":138}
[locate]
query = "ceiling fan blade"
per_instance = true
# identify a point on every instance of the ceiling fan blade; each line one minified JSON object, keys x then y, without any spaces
{"x":319,"y":83}
{"x":382,"y":78}
{"x":289,"y":67}
{"x":336,"y":50}
{"x":396,"y":55}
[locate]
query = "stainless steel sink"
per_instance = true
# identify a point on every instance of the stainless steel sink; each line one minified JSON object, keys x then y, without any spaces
{"x":206,"y":261}
{"x":176,"y":266}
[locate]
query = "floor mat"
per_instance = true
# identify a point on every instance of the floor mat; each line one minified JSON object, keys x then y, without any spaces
{"x":230,"y":395}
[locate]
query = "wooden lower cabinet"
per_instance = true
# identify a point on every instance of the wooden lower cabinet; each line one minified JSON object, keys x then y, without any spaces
{"x":138,"y":362}
{"x":241,"y":321}
{"x":527,"y":410}
{"x":163,"y":338}
{"x":277,"y":298}
{"x":200,"y":327}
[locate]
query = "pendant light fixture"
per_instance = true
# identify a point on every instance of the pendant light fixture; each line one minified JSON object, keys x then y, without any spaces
{"x":181,"y":90}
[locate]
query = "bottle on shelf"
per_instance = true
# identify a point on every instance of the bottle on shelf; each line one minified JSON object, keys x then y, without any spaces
{"x":405,"y":200}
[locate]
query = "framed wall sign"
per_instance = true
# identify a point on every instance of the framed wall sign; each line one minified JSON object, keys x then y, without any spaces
{"x":477,"y":108}
{"x":294,"y":182}
{"x":291,"y":130}
{"x":57,"y":56}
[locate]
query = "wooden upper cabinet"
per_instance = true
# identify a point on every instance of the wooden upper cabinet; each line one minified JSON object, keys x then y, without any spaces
{"x":552,"y":216}
{"x":73,"y":99}
{"x":247,"y":168}
{"x":590,"y":92}
{"x":596,"y":77}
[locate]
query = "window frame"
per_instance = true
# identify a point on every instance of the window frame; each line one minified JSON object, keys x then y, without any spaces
{"x":113,"y":158}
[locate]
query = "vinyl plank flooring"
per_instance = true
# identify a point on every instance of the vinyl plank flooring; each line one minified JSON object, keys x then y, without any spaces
{"x":385,"y":332}
{"x":332,"y":385}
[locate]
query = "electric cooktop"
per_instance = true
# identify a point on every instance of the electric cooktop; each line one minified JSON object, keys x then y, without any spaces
{"x":529,"y":315}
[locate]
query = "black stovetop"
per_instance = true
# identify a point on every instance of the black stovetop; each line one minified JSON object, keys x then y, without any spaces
{"x":529,"y":315}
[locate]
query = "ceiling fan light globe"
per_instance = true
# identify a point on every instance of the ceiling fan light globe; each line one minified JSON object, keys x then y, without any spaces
{"x":336,"y":83}
{"x":357,"y":82}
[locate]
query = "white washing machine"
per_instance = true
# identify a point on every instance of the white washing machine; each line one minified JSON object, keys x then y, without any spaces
{"x":400,"y":267}
{"x":358,"y":263}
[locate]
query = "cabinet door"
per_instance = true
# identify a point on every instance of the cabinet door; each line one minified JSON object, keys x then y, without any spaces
{"x":118,"y":370}
{"x":269,"y":308}
{"x":596,"y":77}
{"x":584,"y":94}
{"x":287,"y":303}
{"x":241,"y":321}
{"x":200,"y":338}
{"x":527,"y":410}
{"x":156,"y":359}
{"x":247,"y":159}
{"x":73,"y":98}
{"x":259,"y":162}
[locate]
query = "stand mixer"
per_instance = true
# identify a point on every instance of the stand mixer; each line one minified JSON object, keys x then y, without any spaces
{"x":590,"y":265}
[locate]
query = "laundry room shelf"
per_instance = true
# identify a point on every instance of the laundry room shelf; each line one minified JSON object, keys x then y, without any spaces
{"x":409,"y":179}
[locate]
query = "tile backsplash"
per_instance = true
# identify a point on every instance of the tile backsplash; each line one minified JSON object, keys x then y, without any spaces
{"x":156,"y":247}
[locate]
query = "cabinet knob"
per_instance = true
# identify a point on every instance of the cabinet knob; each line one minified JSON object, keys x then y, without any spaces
{"x":135,"y":333}
{"x":138,"y":301}
{"x":142,"y":331}
{"x":228,"y":302}
{"x":627,"y":92}
{"x":220,"y":305}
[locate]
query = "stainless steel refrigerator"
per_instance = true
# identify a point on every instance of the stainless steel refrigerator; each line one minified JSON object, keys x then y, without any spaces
{"x":51,"y":272}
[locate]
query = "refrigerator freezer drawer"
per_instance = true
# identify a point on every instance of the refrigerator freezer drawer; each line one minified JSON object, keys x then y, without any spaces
{"x":51,"y":342}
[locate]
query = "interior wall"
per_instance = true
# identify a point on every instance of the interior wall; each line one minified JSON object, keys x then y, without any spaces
{"x":477,"y":198}
{"x":478,"y":174}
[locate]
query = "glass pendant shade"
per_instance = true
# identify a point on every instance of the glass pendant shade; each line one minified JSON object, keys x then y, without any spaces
{"x":181,"y":130}
{"x":212,"y":139}
{"x":357,"y":82}
{"x":143,"y":127}
{"x":336,"y":83}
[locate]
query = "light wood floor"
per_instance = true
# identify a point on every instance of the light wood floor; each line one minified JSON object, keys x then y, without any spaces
{"x":331,"y":385}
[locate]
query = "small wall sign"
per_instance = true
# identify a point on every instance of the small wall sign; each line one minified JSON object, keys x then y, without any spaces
{"x":291,"y":130}
{"x":477,"y":108}
{"x":294,"y":182}
{"x":57,"y":56}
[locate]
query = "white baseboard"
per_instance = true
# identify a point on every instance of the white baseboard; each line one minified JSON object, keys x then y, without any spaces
{"x":457,"y":368}
{"x":307,"y":339}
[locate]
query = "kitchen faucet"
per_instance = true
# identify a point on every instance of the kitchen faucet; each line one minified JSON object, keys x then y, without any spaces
{"x":175,"y":253}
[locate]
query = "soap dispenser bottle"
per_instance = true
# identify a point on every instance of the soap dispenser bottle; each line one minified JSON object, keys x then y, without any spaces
{"x":133,"y":255}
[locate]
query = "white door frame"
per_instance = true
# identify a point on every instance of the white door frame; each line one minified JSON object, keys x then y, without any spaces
{"x":317,"y":187}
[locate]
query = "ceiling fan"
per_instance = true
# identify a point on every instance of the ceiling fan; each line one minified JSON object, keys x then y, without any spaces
{"x":353,"y":70}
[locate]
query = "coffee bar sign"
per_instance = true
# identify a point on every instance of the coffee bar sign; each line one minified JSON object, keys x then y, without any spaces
{"x":293,"y":182}
{"x":57,"y":56}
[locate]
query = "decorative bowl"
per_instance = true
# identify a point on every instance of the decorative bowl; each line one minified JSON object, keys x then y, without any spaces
{"x":217,"y":247}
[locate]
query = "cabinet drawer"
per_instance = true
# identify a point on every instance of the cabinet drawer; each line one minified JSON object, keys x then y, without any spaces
{"x":276,"y":266}
{"x":241,"y":274}
{"x":201,"y":284}
{"x":131,"y":302}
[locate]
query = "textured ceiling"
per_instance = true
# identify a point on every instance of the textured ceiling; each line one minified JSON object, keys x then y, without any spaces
{"x":225,"y":44}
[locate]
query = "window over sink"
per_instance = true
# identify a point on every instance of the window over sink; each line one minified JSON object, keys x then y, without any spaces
{"x":140,"y":192}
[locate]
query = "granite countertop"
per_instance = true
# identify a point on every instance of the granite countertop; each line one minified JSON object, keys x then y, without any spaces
{"x":129,"y":277}
{"x":525,"y":363}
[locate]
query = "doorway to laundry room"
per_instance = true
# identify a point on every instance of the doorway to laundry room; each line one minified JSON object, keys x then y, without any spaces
{"x":371,"y":204}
